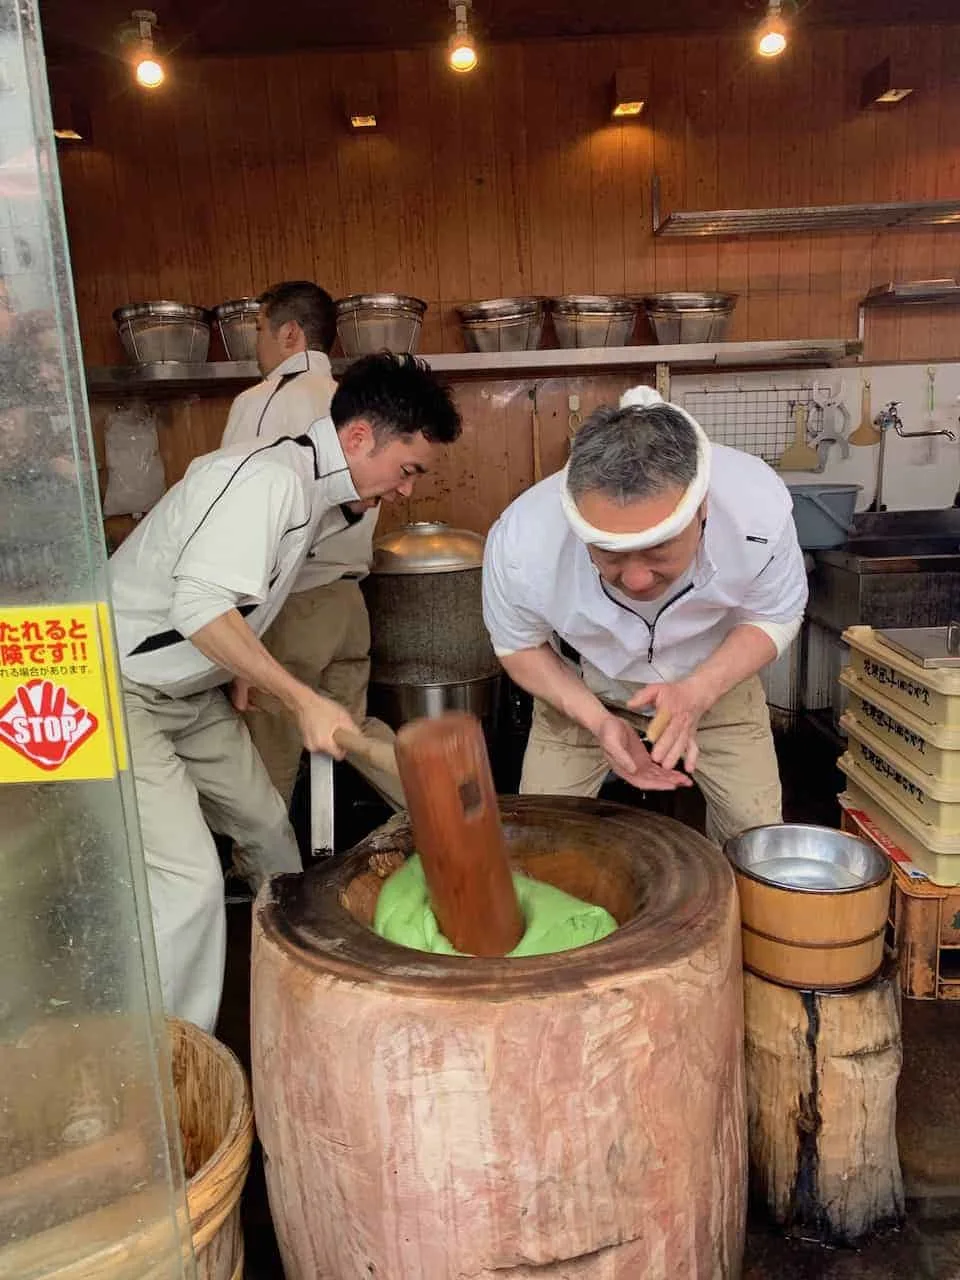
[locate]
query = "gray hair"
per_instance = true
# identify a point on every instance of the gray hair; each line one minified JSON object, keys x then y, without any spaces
{"x":633,"y":453}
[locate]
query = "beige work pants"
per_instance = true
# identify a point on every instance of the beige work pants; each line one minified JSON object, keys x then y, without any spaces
{"x":737,"y":769}
{"x":322,"y":637}
{"x":194,"y":763}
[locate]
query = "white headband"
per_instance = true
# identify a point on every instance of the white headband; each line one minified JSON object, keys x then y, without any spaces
{"x":685,"y":510}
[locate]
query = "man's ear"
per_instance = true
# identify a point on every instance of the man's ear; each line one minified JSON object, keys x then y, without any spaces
{"x":356,"y":438}
{"x":290,"y":335}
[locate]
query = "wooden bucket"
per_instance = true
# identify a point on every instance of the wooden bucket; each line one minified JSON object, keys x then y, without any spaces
{"x":118,"y":1225}
{"x":216,"y":1128}
{"x":812,"y":939}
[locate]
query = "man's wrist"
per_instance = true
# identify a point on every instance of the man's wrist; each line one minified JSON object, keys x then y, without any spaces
{"x":294,"y":695}
{"x":593,"y":718}
{"x":704,"y":688}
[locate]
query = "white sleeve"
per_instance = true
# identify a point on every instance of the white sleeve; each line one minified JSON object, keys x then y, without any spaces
{"x":778,"y":594}
{"x":196,"y":603}
{"x":239,"y":521}
{"x":512,"y":626}
{"x":782,"y":634}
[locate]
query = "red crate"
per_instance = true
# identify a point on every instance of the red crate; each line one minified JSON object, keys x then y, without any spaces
{"x":924,"y":921}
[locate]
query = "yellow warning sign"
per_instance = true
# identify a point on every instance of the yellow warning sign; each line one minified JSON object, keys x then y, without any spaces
{"x":59,"y":695}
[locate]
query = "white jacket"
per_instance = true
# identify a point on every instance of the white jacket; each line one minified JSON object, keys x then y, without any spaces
{"x":285,"y":403}
{"x":540,"y":585}
{"x":232,"y":534}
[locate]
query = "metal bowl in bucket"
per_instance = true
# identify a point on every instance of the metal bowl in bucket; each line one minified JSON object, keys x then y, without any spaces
{"x":502,"y":324}
{"x":689,"y":317}
{"x":813,"y":905}
{"x":237,"y":322}
{"x":593,"y":320}
{"x":163,"y":331}
{"x":371,"y":322}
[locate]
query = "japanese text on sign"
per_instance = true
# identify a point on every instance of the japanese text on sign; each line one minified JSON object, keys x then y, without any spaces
{"x":58,"y":701}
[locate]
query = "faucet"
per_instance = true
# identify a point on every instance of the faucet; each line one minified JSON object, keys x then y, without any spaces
{"x":889,"y":416}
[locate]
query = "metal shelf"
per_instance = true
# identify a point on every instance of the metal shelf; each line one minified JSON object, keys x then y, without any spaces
{"x":930,"y":293}
{"x":152,"y":380}
{"x":905,"y":215}
{"x":907,"y":293}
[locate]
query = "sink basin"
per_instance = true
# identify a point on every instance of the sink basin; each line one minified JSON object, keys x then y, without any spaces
{"x":919,"y":545}
{"x":917,"y":553}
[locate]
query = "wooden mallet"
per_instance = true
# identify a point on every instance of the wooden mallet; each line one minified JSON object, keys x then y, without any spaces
{"x":445,"y":771}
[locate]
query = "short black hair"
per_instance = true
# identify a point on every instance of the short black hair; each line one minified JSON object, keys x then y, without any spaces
{"x":398,"y":395}
{"x":307,"y":305}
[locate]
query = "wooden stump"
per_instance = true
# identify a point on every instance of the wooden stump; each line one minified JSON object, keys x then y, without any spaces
{"x":569,"y":1117}
{"x":822,"y":1072}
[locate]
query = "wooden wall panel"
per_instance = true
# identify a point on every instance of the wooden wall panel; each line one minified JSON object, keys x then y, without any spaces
{"x":513,"y":179}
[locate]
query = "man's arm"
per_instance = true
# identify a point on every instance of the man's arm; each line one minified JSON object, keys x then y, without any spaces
{"x":229,"y":643}
{"x":744,"y":652}
{"x":542,"y":673}
{"x":765,"y":623}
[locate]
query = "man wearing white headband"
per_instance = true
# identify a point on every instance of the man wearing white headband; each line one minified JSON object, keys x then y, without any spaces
{"x":655,"y":573}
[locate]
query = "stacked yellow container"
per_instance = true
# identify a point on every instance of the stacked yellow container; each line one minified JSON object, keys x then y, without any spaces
{"x":903,"y":756}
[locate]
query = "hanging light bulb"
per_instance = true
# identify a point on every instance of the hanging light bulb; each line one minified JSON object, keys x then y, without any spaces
{"x":461,"y":50}
{"x":772,"y":35}
{"x":147,"y":68}
{"x":149,"y":73}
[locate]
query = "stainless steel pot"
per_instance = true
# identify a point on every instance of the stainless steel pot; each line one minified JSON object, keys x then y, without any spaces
{"x":157,"y":332}
{"x":689,"y":317}
{"x":503,"y":324}
{"x":430,"y":651}
{"x":237,"y":323}
{"x":593,"y":320}
{"x":370,"y":322}
{"x":395,"y":704}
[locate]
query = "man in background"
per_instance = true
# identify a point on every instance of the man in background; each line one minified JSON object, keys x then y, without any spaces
{"x":322,"y":634}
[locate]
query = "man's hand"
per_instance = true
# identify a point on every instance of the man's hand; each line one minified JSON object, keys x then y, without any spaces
{"x":685,"y":702}
{"x":240,"y":694}
{"x":318,"y":719}
{"x":630,"y":760}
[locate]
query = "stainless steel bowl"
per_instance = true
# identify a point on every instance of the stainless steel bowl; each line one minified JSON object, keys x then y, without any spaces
{"x":807,"y":859}
{"x":593,"y":320}
{"x":158,"y":332}
{"x":237,"y":322}
{"x":689,"y":317}
{"x":370,"y":322}
{"x":503,"y":324}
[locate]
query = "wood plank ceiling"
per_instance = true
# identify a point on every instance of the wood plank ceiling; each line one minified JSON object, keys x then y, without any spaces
{"x":250,"y":26}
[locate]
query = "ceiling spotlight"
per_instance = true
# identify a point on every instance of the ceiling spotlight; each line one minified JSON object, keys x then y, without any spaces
{"x":772,"y":34}
{"x":147,"y":68}
{"x":461,"y":50}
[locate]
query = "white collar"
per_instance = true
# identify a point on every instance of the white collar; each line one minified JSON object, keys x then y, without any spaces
{"x":300,"y":362}
{"x":681,"y":516}
{"x":331,"y":470}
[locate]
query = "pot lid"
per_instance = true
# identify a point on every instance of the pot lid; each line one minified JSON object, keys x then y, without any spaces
{"x":427,"y":547}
